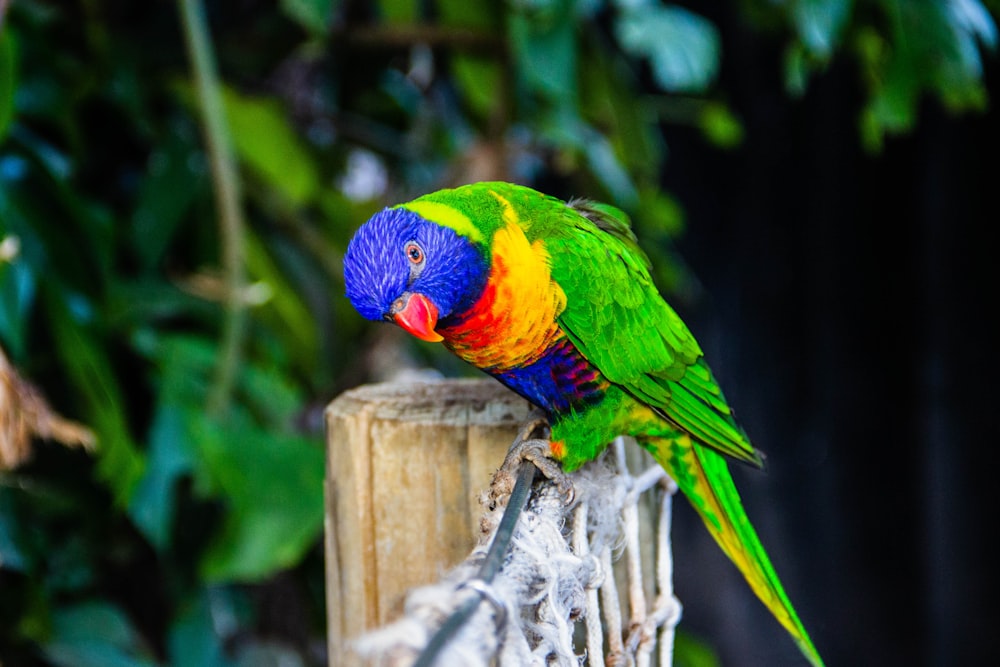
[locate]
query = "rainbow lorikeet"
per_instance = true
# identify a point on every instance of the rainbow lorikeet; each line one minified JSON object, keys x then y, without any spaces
{"x":555,"y":300}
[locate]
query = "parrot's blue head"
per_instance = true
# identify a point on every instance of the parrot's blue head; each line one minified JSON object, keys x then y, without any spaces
{"x":403,"y":268}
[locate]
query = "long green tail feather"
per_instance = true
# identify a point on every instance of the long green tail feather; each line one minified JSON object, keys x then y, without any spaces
{"x":703,"y":476}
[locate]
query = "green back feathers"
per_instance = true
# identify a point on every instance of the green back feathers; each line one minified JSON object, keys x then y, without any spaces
{"x":614,"y":314}
{"x":617,"y":319}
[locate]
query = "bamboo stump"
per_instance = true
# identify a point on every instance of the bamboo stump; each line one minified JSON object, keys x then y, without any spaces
{"x":405,"y":466}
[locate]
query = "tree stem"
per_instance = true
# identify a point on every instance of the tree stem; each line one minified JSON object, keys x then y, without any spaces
{"x":226,"y":184}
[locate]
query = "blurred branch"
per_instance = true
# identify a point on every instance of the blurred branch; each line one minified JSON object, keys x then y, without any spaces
{"x":227,"y":194}
{"x":4,"y":5}
{"x":25,"y":414}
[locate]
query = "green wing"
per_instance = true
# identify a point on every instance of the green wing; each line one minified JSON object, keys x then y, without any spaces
{"x":617,"y":319}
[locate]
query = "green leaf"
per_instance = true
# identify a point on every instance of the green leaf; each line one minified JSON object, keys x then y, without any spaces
{"x":313,"y":15}
{"x":168,"y":458}
{"x":89,"y":371}
{"x":689,"y":651}
{"x":286,"y":299}
{"x":820,"y":24}
{"x":271,"y":148}
{"x":609,"y":96}
{"x":270,"y":479}
{"x":973,"y":19}
{"x":11,"y":555}
{"x":569,"y":131}
{"x":720,"y":126}
{"x":274,"y":485}
{"x":57,"y":225}
{"x":483,"y":15}
{"x":477,"y":77}
{"x":660,"y":211}
{"x":94,"y":634}
{"x":682,"y":47}
{"x":172,"y":182}
{"x":193,"y":640}
{"x":185,"y":365}
{"x":797,"y":68}
{"x":543,"y":41}
{"x":399,"y":11}
{"x":960,"y":78}
{"x":478,"y":80}
{"x":608,"y":168}
{"x":17,"y":294}
{"x":933,"y":48}
{"x":8,"y":79}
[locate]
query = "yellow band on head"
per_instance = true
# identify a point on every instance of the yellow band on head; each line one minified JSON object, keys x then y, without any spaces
{"x":446,"y":216}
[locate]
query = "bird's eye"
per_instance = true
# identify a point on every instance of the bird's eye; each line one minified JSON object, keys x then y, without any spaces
{"x":414,"y":253}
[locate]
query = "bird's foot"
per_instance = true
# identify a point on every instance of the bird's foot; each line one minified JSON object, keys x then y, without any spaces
{"x":532,"y":444}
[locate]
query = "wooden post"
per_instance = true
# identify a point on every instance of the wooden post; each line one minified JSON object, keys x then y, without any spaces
{"x":405,"y":466}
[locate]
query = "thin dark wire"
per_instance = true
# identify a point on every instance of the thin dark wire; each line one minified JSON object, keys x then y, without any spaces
{"x":488,"y":569}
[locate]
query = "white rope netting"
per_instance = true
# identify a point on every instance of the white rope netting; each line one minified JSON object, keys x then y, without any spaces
{"x":556,"y":599}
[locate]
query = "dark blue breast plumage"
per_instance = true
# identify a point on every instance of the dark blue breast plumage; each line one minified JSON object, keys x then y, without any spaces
{"x":561,"y":380}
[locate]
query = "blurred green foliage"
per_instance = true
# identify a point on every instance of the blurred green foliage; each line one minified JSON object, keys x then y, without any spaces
{"x":172,"y":542}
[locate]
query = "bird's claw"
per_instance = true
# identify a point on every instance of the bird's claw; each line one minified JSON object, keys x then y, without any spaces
{"x":537,"y":451}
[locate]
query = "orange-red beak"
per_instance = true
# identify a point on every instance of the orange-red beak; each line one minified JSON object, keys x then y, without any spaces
{"x":417,"y":315}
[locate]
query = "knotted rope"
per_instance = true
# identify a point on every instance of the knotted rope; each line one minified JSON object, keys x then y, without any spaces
{"x":558,"y":573}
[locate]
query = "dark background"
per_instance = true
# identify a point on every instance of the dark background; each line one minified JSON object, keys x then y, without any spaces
{"x":848,"y":307}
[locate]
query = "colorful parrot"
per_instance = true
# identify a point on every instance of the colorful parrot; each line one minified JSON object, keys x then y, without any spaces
{"x":555,"y":300}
